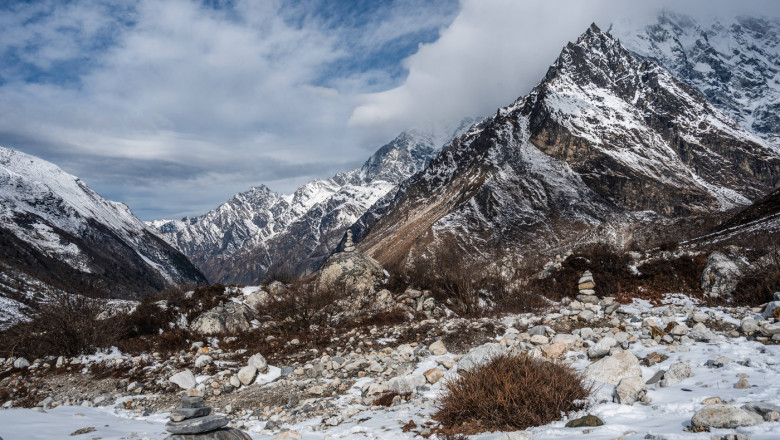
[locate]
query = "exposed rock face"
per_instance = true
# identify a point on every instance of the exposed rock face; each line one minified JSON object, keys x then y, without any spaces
{"x":228,"y":318}
{"x":720,"y":276}
{"x":604,"y":136}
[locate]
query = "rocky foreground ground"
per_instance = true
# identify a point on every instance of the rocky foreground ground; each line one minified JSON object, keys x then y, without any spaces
{"x":669,"y":371}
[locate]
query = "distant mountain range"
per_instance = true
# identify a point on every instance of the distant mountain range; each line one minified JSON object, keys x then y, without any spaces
{"x":259,"y":233}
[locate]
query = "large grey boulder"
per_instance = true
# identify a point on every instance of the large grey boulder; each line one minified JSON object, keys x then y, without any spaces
{"x":721,"y":416}
{"x":350,"y":271}
{"x":228,"y":318}
{"x":720,"y":276}
{"x":478,"y":356}
{"x":613,"y":369}
{"x":258,"y":361}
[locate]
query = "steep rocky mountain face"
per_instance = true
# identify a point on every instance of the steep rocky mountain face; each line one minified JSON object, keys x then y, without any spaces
{"x":56,"y":233}
{"x":606,"y":138}
{"x":733,"y":62}
{"x":260,"y":232}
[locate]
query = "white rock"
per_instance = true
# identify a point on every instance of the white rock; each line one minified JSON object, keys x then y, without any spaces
{"x":630,"y":390}
{"x":184,"y":379}
{"x":259,"y":362}
{"x":203,"y":360}
{"x":247,"y":374}
{"x":770,"y":309}
{"x":438,"y":348}
{"x":602,"y":347}
{"x":21,"y":363}
{"x":612,"y":369}
{"x":748,"y":325}
{"x":675,"y":374}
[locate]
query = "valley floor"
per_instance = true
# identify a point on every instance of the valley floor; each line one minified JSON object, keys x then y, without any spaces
{"x":718,"y":356}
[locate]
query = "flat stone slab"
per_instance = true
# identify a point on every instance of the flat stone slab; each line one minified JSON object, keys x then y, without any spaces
{"x":179,"y":414}
{"x":197,"y":426}
{"x":220,"y":434}
{"x":192,"y":402}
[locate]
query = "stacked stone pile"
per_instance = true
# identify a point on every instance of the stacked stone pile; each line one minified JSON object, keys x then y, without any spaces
{"x":194,"y":421}
{"x":587,"y":287}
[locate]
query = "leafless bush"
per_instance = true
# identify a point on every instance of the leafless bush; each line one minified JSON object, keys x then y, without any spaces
{"x":301,"y":306}
{"x":509,"y":393}
{"x":66,"y":324}
{"x":757,"y":286}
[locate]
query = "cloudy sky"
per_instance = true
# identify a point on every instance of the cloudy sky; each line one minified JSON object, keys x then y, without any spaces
{"x":173,"y":106}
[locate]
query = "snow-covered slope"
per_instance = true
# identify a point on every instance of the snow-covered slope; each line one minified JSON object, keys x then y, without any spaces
{"x":260,"y":232}
{"x":734,"y":62}
{"x":54,"y":228}
{"x":605,"y":136}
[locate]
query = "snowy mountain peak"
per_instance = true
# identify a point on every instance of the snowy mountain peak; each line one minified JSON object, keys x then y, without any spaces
{"x":734,"y":62}
{"x":67,"y":231}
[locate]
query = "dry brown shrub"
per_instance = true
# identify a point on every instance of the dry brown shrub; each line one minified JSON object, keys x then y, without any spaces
{"x":301,"y":306}
{"x":511,"y":392}
{"x":67,"y":325}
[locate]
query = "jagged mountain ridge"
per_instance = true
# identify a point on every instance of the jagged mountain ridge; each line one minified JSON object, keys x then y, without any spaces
{"x":260,"y":232}
{"x":605,"y":136}
{"x":733,"y":62}
{"x":55,"y":230}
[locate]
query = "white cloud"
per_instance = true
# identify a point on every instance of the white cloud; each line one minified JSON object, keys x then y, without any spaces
{"x":497,"y":50}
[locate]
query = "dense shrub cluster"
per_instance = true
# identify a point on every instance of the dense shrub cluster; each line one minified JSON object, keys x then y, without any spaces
{"x":469,"y":285}
{"x":301,"y":306}
{"x":511,"y":392}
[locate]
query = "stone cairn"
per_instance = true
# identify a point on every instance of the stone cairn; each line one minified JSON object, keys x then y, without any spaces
{"x":194,"y":421}
{"x":586,"y":286}
{"x":349,"y":245}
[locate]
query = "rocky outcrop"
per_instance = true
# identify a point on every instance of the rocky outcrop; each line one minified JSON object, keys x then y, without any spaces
{"x":720,"y":276}
{"x":229,"y":318}
{"x":350,"y":271}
